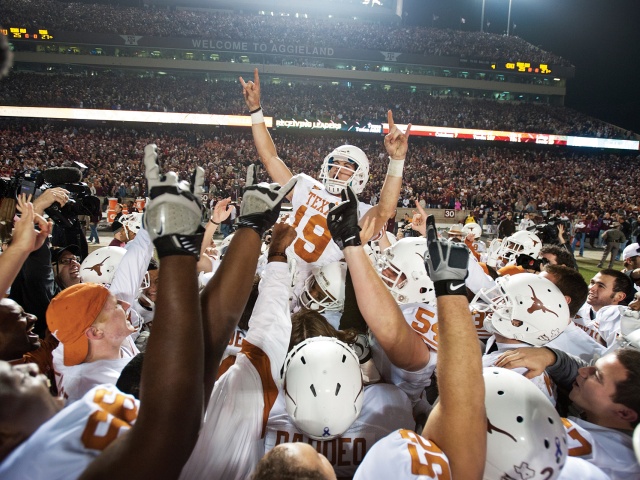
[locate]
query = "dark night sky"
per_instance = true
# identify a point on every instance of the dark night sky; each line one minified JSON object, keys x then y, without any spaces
{"x":600,"y":37}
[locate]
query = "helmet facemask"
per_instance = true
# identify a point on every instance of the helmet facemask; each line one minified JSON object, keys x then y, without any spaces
{"x":356,"y":165}
{"x":324,"y":290}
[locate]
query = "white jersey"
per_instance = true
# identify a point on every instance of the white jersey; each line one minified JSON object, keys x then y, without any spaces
{"x":477,"y":278}
{"x":605,"y":325}
{"x":575,"y":341}
{"x":422,"y":318}
{"x":75,"y":381}
{"x":310,"y":203}
{"x":542,"y":381}
{"x":230,"y":443}
{"x":576,"y":468}
{"x":608,"y":449}
{"x":384,"y":409}
{"x":404,"y":455}
{"x":66,"y":444}
{"x":313,"y":245}
{"x":130,"y":273}
{"x":231,"y":352}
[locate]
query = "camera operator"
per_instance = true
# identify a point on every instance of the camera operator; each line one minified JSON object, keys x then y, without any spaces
{"x":34,"y":285}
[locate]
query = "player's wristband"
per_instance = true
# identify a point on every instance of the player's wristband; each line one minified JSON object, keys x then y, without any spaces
{"x":176,"y":244}
{"x":449,"y":287}
{"x":212,"y":221}
{"x":276,"y":254}
{"x":257,"y":116}
{"x":395,"y":168}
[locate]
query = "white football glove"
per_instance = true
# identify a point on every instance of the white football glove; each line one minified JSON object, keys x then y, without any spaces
{"x":174,"y":210}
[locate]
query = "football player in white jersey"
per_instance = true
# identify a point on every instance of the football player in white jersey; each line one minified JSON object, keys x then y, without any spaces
{"x":607,"y":393}
{"x":231,"y":443}
{"x":600,"y":315}
{"x":99,"y":439}
{"x":385,"y":407}
{"x":454,"y":441}
{"x":522,"y":310}
{"x":324,"y":404}
{"x":346,"y":165}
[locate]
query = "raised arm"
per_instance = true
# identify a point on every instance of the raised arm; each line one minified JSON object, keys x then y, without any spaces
{"x":401,"y":344}
{"x":396,"y":143}
{"x":276,"y":168}
{"x":458,"y":423}
{"x":220,"y":213}
{"x":25,"y":240}
{"x":171,"y":387}
{"x":226,"y":294}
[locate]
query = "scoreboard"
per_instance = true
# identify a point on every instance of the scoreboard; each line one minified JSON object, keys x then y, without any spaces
{"x":26,"y":33}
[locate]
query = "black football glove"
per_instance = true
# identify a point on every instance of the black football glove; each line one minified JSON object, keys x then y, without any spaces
{"x":528,"y":262}
{"x":342,"y":220}
{"x":174,"y":213}
{"x":446,"y":263}
{"x":261,"y":204}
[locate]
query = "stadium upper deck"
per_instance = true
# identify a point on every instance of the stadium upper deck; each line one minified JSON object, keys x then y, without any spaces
{"x":219,"y":41}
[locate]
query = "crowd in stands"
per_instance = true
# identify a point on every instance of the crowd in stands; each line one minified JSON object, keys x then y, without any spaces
{"x":81,"y":17}
{"x":442,"y":173}
{"x":337,"y":103}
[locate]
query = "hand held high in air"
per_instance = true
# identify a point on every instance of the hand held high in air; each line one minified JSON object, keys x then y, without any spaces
{"x":221,"y":211}
{"x":446,"y":263}
{"x":24,"y":237}
{"x":174,"y":213}
{"x":419,"y":222}
{"x":251,"y":91}
{"x":396,"y":142}
{"x":261,"y":204}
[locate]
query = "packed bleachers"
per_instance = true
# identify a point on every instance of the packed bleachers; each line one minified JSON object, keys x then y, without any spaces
{"x":80,"y":17}
{"x":439,"y":172}
{"x":337,"y":103}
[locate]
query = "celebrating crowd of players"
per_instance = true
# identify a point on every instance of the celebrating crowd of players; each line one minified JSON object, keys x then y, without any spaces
{"x":319,"y":346}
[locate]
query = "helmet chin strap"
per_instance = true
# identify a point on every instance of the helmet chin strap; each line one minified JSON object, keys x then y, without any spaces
{"x":147,"y":299}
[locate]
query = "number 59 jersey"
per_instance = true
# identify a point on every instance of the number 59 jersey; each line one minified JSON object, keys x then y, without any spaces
{"x":64,"y":446}
{"x":313,"y":244}
{"x":405,"y":455}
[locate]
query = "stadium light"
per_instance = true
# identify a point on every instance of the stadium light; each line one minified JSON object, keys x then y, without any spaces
{"x":509,"y":19}
{"x":482,"y":17}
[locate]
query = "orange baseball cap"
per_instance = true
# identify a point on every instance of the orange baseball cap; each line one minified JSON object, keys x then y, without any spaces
{"x":69,"y":315}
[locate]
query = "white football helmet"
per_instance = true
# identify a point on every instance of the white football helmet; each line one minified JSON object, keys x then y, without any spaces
{"x":101,"y":264}
{"x":523,"y":307}
{"x":401,"y":267}
{"x":132,"y":222}
{"x":324,"y":289}
{"x":323,"y":387}
{"x":358,"y":179}
{"x":375,"y":244}
{"x":525,"y":435}
{"x":521,"y":242}
{"x":474,"y":228}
